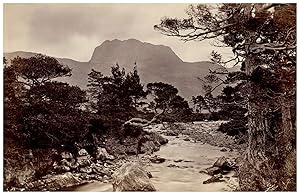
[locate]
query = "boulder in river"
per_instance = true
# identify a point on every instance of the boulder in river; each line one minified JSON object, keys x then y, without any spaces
{"x":132,"y":177}
{"x":212,"y":171}
{"x":157,"y":159}
{"x":223,"y":163}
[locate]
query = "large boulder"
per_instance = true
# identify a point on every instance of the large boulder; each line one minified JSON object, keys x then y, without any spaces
{"x":132,"y":177}
{"x":223,"y":163}
{"x":52,"y":183}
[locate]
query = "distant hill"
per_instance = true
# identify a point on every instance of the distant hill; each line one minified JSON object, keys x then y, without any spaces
{"x":154,"y":63}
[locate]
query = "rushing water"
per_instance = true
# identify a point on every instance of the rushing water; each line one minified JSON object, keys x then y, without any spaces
{"x":180,"y":171}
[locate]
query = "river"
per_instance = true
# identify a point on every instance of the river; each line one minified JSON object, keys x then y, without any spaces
{"x":180,"y":171}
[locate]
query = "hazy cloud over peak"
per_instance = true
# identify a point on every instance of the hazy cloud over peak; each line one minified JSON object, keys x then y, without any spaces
{"x":74,"y":30}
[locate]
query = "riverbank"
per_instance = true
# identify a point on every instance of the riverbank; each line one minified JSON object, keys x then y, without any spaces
{"x":178,"y":165}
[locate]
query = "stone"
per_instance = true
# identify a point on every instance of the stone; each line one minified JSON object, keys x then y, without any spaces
{"x":53,"y":183}
{"x":186,"y":139}
{"x":66,"y":155}
{"x":149,"y":147}
{"x":105,"y":177}
{"x":179,"y":160}
{"x":157,"y":159}
{"x":21,"y":177}
{"x":223,"y":163}
{"x":212,"y":171}
{"x":132,"y":177}
{"x":213,"y":179}
{"x":102,"y":154}
{"x":223,"y":150}
{"x":65,"y":168}
{"x":100,"y":171}
{"x":83,"y":152}
{"x":87,"y":170}
{"x":171,"y":133}
{"x":154,"y":136}
{"x":171,"y":166}
{"x":84,"y":161}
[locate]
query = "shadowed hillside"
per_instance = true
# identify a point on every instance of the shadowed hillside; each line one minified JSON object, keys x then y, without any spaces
{"x":154,"y":62}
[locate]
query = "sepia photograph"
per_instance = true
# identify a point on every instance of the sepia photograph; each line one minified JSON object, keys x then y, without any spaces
{"x":160,"y":97}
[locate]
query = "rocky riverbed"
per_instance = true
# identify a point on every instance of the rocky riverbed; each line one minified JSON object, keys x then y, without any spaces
{"x":188,"y":161}
{"x":182,"y":159}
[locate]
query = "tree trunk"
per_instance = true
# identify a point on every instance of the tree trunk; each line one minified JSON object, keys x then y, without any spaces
{"x":287,"y":148}
{"x":255,"y":171}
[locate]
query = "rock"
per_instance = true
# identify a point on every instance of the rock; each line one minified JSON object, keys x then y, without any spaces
{"x":186,"y":139}
{"x":171,"y":166}
{"x":149,"y":174}
{"x":84,"y":161}
{"x":132,"y":177}
{"x":171,"y":133}
{"x":21,"y":177}
{"x":157,"y":159}
{"x":154,"y":136}
{"x":83,"y":152}
{"x":65,"y":168}
{"x":149,"y":147}
{"x":223,"y":150}
{"x":212,"y":171}
{"x":223,"y":163}
{"x":215,"y":178}
{"x":188,"y":161}
{"x":66,"y":155}
{"x":105,"y":177}
{"x":87,"y":170}
{"x":179,"y":160}
{"x":102,"y":154}
{"x":101,"y":171}
{"x":53,"y":183}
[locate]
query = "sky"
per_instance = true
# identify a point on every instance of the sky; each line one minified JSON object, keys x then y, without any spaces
{"x":74,"y":30}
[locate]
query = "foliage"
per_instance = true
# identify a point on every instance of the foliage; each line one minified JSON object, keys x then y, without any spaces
{"x":167,"y":102}
{"x":199,"y":103}
{"x":116,"y":95}
{"x":50,"y":115}
{"x":263,"y":40}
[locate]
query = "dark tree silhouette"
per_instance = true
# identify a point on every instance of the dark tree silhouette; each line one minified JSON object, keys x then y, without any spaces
{"x":263,"y":39}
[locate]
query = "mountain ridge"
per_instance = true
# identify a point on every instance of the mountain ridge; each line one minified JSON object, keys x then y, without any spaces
{"x":154,"y":62}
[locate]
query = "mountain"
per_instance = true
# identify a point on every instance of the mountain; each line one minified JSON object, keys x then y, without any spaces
{"x":154,"y":62}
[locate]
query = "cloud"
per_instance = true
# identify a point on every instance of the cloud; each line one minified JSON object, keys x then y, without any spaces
{"x":74,"y":30}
